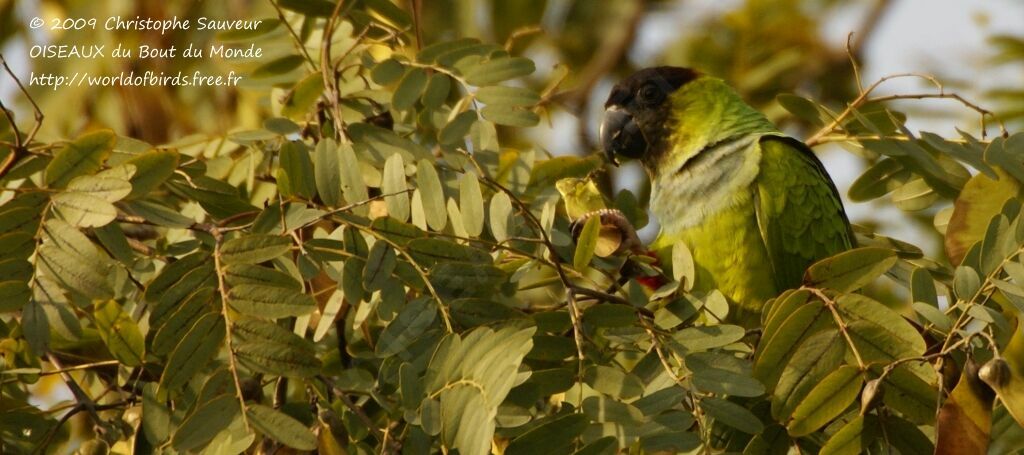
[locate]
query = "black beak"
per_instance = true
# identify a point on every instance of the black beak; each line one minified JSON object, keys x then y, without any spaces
{"x":620,"y":135}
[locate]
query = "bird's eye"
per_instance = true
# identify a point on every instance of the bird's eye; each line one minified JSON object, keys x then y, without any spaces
{"x":650,"y":94}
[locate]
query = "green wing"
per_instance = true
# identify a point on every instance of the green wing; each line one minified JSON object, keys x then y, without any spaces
{"x":799,"y":211}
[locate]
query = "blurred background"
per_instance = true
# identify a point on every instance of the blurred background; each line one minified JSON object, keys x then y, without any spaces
{"x":762,"y":47}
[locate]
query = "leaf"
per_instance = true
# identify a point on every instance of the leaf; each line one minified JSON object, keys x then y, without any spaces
{"x":279,"y":359}
{"x":202,"y":425}
{"x":826,"y":401}
{"x":271,"y":302}
{"x":83,"y":209}
{"x":120,"y":333}
{"x":437,"y":90}
{"x":109,"y":189}
{"x":328,"y":172}
{"x":303,"y":96}
{"x":237,"y":274}
{"x":846,"y":441}
{"x":610,"y":315}
{"x":815,"y":359}
{"x":586,"y":243}
{"x":879,"y":333}
{"x":703,"y":338}
{"x":613,"y":382}
{"x":73,"y":272}
{"x":498,"y":70}
{"x":195,"y":350}
{"x":801,"y":107}
{"x":295,"y":177}
{"x":460,"y":279}
{"x":430,"y":251}
{"x":433,"y":195}
{"x":966,"y":282}
{"x":379,"y":265}
{"x":82,"y":156}
{"x":723,"y":374}
{"x":253,"y":249}
{"x":965,"y":420}
{"x":471,"y":204}
{"x":471,"y":375}
{"x":281,"y":427}
{"x":732,"y":414}
{"x":554,"y":435}
{"x":412,"y":321}
{"x":352,"y":185}
{"x":455,"y":131}
{"x":505,"y":95}
{"x":850,"y":270}
{"x":877,"y":181}
{"x":501,"y":216}
{"x":394,"y":185}
{"x":36,"y":327}
{"x":409,"y":89}
{"x":386,"y":71}
{"x":683,"y":269}
{"x":511,"y":116}
{"x":981,"y":199}
{"x":1006,"y":375}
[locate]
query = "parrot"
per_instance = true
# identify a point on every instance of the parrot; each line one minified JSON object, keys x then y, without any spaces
{"x":754,"y":206}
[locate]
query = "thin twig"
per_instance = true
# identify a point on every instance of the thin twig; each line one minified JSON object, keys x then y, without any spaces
{"x":222,"y":288}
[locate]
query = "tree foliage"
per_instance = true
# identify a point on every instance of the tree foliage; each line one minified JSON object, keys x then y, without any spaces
{"x":386,"y":263}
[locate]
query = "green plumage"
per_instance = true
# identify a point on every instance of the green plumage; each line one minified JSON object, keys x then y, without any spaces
{"x":755,"y":207}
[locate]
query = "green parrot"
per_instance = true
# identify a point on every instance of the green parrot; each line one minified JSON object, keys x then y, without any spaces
{"x":754,"y":206}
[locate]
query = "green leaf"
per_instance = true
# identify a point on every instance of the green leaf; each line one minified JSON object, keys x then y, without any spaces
{"x":412,"y":321}
{"x":276,"y":358}
{"x":83,"y":209}
{"x":353,"y":187}
{"x":455,"y":131}
{"x":387,"y":71}
{"x":202,"y":425}
{"x":497,"y":70}
{"x":108,"y":189}
{"x":82,"y":156}
{"x":120,"y":333}
{"x":850,"y":270}
{"x":703,"y":338}
{"x":303,"y":96}
{"x":509,"y":115}
{"x":36,"y":327}
{"x":846,"y":441}
{"x":966,"y":282}
{"x":195,"y":350}
{"x":461,"y":279}
{"x":253,"y":249}
{"x":328,"y":172}
{"x":237,"y":274}
{"x":586,"y":243}
{"x":172,"y":274}
{"x":801,"y":107}
{"x":878,"y":332}
{"x":816,"y":357}
{"x":73,"y":272}
{"x":271,"y":302}
{"x":555,"y":435}
{"x":437,"y":90}
{"x":379,"y":265}
{"x":471,"y":203}
{"x":981,"y":198}
{"x":723,"y":374}
{"x":295,"y":177}
{"x":509,"y":96}
{"x":826,"y":401}
{"x":683,"y":269}
{"x":409,"y":89}
{"x":281,"y":427}
{"x":393,"y":183}
{"x":877,"y":181}
{"x":613,"y":382}
{"x":610,"y":315}
{"x":501,"y":216}
{"x":433,"y":195}
{"x":732,"y":414}
{"x":174,"y":327}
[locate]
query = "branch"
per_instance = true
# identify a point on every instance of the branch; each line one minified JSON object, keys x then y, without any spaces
{"x":21,"y":142}
{"x":232,"y":364}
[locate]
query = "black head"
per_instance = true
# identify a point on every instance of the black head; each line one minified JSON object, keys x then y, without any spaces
{"x":637,"y":111}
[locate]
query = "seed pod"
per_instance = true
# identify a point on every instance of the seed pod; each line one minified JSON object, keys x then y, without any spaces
{"x":995,"y":373}
{"x":870,"y":395}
